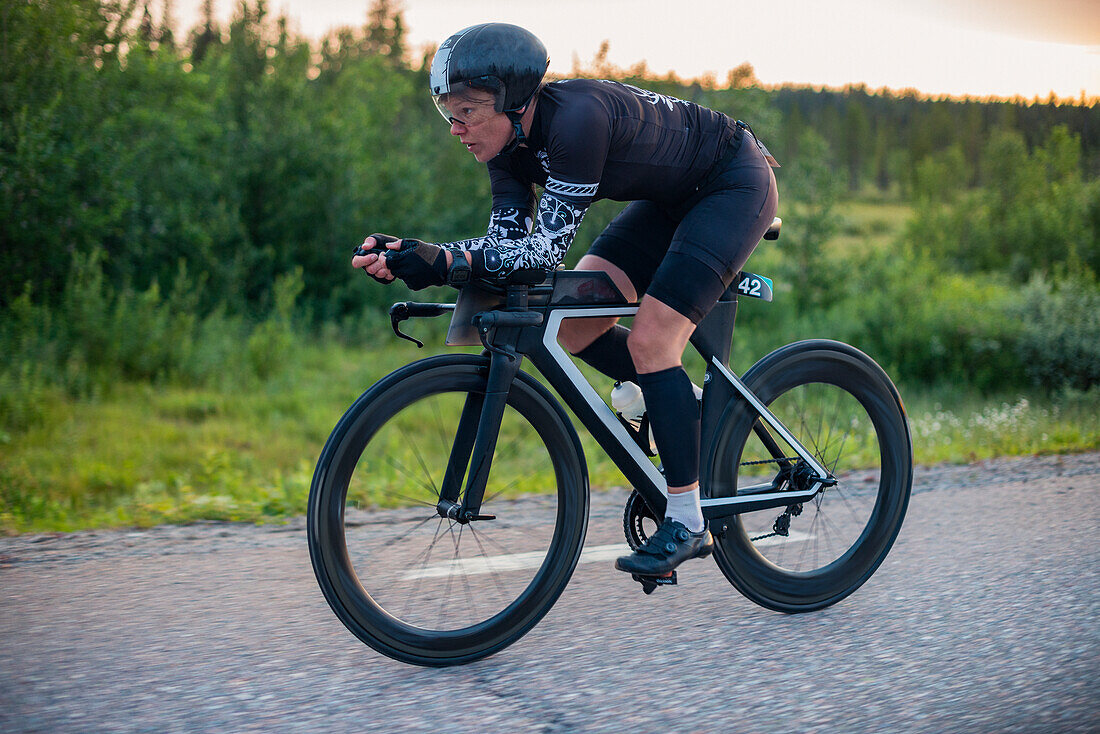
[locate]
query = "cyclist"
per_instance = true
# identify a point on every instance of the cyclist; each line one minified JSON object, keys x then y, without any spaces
{"x":702,"y":195}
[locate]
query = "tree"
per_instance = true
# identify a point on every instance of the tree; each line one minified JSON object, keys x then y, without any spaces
{"x":855,"y":141}
{"x":742,"y":77}
{"x":385,"y":30}
{"x":811,"y":189}
{"x":205,"y":35}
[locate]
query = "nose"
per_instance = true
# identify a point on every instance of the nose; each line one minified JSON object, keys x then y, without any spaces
{"x":457,"y":128}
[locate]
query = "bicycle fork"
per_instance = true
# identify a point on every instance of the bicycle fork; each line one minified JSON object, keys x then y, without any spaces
{"x":475,"y":442}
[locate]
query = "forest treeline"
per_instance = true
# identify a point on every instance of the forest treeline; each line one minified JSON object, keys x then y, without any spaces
{"x":162,"y":192}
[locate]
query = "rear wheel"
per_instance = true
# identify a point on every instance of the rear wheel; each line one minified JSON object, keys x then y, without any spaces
{"x":421,"y":587}
{"x":843,"y":408}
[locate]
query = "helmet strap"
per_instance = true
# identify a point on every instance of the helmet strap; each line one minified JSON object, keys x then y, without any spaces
{"x":516,"y":116}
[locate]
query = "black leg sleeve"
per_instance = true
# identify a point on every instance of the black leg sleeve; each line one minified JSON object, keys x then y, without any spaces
{"x":610,"y":356}
{"x":674,"y":414}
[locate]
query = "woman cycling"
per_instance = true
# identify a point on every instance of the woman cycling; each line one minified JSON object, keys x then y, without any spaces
{"x":701,"y":195}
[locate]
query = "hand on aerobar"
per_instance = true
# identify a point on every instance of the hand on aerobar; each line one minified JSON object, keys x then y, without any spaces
{"x":419,"y":264}
{"x":423,"y":264}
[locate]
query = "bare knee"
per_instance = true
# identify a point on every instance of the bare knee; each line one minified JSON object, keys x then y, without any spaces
{"x":659,"y":336}
{"x":651,"y":350}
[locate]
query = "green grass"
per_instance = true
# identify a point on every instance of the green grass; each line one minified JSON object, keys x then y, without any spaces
{"x":954,"y":426}
{"x":869,"y":224}
{"x":145,"y":455}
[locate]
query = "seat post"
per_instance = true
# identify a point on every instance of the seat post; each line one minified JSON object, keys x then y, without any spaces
{"x":714,"y":334}
{"x":713,"y":339}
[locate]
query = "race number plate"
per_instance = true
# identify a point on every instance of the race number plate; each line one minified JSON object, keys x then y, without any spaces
{"x":756,"y":286}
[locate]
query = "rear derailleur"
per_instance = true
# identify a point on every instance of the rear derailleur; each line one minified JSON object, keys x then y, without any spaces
{"x":782,"y":524}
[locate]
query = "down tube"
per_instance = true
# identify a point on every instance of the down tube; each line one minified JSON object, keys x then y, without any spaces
{"x":551,"y":360}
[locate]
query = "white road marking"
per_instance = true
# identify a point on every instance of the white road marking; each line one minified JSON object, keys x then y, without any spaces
{"x":520,"y":561}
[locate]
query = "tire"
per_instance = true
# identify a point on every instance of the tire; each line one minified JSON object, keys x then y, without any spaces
{"x":842,"y":407}
{"x":417,"y":586}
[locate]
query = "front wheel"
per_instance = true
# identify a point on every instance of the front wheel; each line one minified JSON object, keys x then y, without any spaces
{"x":405,"y":579}
{"x":844,"y":409}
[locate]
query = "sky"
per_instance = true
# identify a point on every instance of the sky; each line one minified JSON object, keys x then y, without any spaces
{"x":1002,"y":48}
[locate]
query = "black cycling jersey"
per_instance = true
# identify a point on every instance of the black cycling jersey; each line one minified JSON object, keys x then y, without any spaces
{"x":605,"y":140}
{"x":594,"y":139}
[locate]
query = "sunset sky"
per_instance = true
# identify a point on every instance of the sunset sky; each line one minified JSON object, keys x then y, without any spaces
{"x":957,"y":47}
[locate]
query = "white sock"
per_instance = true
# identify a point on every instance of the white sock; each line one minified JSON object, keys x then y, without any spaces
{"x":684,"y":507}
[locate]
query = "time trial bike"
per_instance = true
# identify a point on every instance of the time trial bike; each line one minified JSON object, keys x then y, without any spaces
{"x":449,"y":506}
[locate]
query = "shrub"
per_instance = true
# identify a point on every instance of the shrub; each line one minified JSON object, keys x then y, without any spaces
{"x":1059,"y":344}
{"x":930,"y":325}
{"x":271,"y":342}
{"x":101,"y":334}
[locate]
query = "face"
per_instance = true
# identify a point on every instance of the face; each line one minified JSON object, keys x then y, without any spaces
{"x":475,"y":122}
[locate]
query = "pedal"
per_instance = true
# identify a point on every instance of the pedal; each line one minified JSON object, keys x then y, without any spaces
{"x":650,"y":583}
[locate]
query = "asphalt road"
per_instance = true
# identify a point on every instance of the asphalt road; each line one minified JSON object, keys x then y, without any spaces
{"x":983,"y":618}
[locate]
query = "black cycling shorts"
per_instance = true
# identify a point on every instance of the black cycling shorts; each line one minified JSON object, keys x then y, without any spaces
{"x":687,"y":255}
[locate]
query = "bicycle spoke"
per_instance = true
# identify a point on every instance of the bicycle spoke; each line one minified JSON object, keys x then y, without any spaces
{"x":444,"y":439}
{"x":845,"y":414}
{"x":446,"y":595}
{"x":829,"y":527}
{"x":838,"y":492}
{"x":813,"y":541}
{"x":393,"y":462}
{"x":427,"y":554}
{"x":499,"y":492}
{"x":839,"y":452}
{"x":428,"y":474}
{"x":838,"y":398}
{"x":413,"y":529}
{"x":492,"y":572}
{"x":414,"y":500}
{"x":808,"y":435}
{"x":433,"y":591}
{"x":489,"y":539}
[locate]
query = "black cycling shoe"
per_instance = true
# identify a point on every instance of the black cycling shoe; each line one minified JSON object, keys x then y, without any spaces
{"x":666,"y":549}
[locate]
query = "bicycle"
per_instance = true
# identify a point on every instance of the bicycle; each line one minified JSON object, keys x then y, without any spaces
{"x":773,"y":442}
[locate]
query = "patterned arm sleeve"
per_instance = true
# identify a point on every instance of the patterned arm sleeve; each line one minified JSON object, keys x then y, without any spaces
{"x":507,"y":247}
{"x":505,"y":224}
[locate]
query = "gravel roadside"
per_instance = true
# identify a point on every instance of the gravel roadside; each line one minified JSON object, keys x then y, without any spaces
{"x":213,"y":537}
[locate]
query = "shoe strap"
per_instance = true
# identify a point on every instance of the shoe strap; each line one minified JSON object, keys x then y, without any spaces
{"x":659,"y":543}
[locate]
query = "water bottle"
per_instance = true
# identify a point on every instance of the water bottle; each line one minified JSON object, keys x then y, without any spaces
{"x":627,"y":400}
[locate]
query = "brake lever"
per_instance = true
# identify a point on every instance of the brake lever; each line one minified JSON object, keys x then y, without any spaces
{"x":404,"y":310}
{"x":483,"y":328}
{"x":400,"y":312}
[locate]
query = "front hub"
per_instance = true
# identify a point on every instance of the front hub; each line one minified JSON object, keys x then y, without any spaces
{"x":453,"y":511}
{"x":450,"y":510}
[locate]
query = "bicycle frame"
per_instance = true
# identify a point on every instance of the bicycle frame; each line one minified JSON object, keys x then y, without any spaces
{"x":519,"y":332}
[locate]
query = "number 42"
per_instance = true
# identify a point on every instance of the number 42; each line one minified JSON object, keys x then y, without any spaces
{"x":750,"y":286}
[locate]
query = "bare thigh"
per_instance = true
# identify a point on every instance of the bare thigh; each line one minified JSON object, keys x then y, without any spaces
{"x":576,"y":334}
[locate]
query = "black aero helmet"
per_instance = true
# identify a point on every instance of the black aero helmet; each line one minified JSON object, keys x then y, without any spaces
{"x":501,"y":60}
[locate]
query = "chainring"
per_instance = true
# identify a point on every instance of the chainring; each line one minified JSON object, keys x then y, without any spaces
{"x":635,"y":517}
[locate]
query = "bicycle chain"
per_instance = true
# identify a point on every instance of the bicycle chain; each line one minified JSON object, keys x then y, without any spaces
{"x":758,"y":463}
{"x":761,"y":537}
{"x":769,"y":461}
